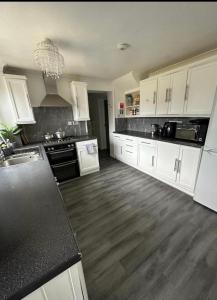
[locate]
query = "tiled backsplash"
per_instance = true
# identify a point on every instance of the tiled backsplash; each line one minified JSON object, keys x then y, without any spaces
{"x":144,"y":124}
{"x":50,"y":119}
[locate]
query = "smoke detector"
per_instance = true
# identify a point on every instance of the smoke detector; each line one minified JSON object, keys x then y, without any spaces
{"x":123,"y":46}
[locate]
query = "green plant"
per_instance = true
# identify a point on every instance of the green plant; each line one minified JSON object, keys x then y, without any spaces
{"x":9,"y":132}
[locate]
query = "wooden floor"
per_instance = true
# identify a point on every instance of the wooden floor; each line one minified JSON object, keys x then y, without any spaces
{"x":140,"y":238}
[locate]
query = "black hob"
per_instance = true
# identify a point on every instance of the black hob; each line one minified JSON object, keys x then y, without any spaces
{"x":55,"y":141}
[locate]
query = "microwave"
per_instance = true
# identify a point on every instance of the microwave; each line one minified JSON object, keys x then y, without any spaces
{"x":195,"y":131}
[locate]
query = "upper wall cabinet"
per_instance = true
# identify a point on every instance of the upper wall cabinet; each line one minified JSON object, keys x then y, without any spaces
{"x":171,"y":93}
{"x":80,"y":101}
{"x":163,"y":94}
{"x":148,"y":96}
{"x":177,"y":92}
{"x":201,"y":89}
{"x":20,"y":99}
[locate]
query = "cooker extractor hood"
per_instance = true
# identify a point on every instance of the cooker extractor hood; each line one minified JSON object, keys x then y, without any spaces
{"x":52,"y":97}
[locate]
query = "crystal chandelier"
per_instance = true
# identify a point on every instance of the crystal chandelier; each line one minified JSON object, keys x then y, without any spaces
{"x":49,"y":59}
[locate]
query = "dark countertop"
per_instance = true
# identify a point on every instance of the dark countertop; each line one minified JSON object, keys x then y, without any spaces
{"x":148,"y":135}
{"x":73,"y":139}
{"x":36,"y":240}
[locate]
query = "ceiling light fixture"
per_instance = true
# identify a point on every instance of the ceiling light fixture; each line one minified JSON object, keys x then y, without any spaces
{"x":49,"y":59}
{"x":123,"y":46}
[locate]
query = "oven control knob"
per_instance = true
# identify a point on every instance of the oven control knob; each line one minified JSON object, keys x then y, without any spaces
{"x":52,"y":148}
{"x":48,"y":148}
{"x":69,"y":146}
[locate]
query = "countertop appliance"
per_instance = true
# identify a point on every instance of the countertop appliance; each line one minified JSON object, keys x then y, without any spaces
{"x":62,"y":156}
{"x":154,"y":129}
{"x":169,"y":129}
{"x":205,"y":190}
{"x":195,"y":131}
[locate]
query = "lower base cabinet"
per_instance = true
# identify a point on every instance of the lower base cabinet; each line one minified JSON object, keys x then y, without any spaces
{"x":167,"y":160}
{"x":188,"y":166}
{"x":69,"y":285}
{"x":146,"y":155}
{"x":174,"y":164}
{"x":88,"y":162}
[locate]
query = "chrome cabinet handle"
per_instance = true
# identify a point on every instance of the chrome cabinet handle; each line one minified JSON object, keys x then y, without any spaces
{"x":129,"y":140}
{"x":128,"y":151}
{"x":129,"y":145}
{"x":166,"y":95}
{"x":186,"y":92}
{"x":154,"y":97}
{"x":152,"y":161}
{"x":179,"y":166}
{"x":175,"y":165}
{"x":170,"y":94}
{"x":145,"y":143}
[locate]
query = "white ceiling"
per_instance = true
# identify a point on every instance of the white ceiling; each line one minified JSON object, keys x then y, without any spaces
{"x":87,"y":33}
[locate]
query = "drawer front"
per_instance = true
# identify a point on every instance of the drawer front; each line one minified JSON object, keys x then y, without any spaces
{"x":118,"y":137}
{"x":130,"y":156}
{"x":84,"y":143}
{"x":147,"y":142}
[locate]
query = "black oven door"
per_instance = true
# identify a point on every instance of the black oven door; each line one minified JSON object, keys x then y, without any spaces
{"x":66,"y":171}
{"x":62,"y":155}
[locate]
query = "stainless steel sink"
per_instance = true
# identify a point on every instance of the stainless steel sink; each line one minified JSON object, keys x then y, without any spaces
{"x":22,"y":156}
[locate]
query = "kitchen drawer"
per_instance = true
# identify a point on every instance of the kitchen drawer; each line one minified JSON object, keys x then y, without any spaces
{"x":130,"y":156}
{"x":84,"y":143}
{"x":147,"y":142}
{"x":130,"y":139}
{"x":118,"y":136}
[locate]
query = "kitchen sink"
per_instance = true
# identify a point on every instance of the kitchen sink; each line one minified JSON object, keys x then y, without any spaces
{"x":22,"y":155}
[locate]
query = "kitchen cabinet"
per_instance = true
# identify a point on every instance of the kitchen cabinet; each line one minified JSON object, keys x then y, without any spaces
{"x":118,"y":146}
{"x":171,"y":93}
{"x":148,"y":96}
{"x":188,"y":166}
{"x":130,"y":151}
{"x":146,"y":155}
{"x":88,"y":162}
{"x":69,"y":285}
{"x":174,"y":164}
{"x":167,"y":160}
{"x":163,"y":94}
{"x":177,"y":92}
{"x":201,"y":89}
{"x":80,"y":101}
{"x":20,"y":100}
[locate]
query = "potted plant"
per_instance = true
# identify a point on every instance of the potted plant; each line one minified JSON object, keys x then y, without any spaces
{"x":9,"y":133}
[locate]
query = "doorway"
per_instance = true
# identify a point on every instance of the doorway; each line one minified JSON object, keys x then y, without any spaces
{"x":99,"y":120}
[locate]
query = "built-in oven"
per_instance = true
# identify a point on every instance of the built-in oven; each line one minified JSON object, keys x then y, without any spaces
{"x":63,"y":161}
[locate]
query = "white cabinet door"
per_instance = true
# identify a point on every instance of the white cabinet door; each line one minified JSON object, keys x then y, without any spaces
{"x":80,"y":101}
{"x":118,"y":149}
{"x":20,"y":100}
{"x":68,"y":285}
{"x":146,"y":156}
{"x":163,"y":95}
{"x":167,"y":160}
{"x":188,"y":166}
{"x":118,"y":146}
{"x":177,"y":92}
{"x":148,"y":96}
{"x":202,"y":82}
{"x":88,"y":163}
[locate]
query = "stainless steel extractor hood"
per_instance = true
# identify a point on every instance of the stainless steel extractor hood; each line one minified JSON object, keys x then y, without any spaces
{"x":52,"y":97}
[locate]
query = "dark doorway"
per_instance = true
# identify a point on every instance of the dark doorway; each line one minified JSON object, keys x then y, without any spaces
{"x":99,"y":122}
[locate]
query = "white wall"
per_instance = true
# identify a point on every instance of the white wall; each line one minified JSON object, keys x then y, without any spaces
{"x":121,"y":85}
{"x":97,"y":84}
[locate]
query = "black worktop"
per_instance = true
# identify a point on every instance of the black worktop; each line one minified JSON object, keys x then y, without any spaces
{"x":36,"y":240}
{"x":148,"y":135}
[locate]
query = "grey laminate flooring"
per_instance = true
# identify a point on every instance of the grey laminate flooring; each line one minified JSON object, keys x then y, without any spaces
{"x":140,"y":238}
